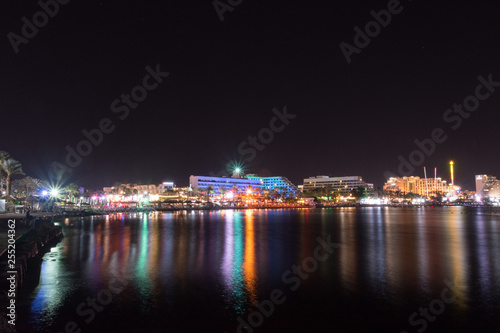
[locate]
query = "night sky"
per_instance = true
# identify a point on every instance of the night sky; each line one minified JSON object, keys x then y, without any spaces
{"x":226,"y":77}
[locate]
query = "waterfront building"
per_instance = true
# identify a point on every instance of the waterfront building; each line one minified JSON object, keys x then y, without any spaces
{"x":342,"y":185}
{"x":418,"y":186}
{"x":488,"y":186}
{"x":279,"y":184}
{"x":239,"y":185}
{"x":166,"y":186}
{"x":147,"y":189}
{"x":108,"y":190}
{"x":140,"y":189}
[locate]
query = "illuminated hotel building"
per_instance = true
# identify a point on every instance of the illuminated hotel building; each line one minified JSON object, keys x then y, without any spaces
{"x":487,"y":186}
{"x":166,"y":186}
{"x":149,"y":189}
{"x":239,"y":184}
{"x":276,"y":183}
{"x":418,"y":186}
{"x":343,"y":185}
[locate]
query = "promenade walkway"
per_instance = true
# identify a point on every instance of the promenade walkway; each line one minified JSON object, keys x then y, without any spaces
{"x":21,"y":226}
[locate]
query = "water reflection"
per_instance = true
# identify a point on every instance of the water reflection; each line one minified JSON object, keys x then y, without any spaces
{"x":234,"y":268}
{"x":142,"y":271}
{"x":454,"y":225}
{"x":376,"y":251}
{"x":177,"y":260}
{"x":348,"y":253}
{"x":249,"y":265}
{"x":411,"y":251}
{"x":236,"y":276}
{"x":49,"y":295}
{"x":423,"y":253}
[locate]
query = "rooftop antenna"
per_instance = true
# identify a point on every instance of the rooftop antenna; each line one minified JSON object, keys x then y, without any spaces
{"x":435,"y":181}
{"x":452,"y":174}
{"x":426,"y":185}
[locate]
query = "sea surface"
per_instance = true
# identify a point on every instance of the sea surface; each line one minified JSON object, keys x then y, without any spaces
{"x":433,"y":269}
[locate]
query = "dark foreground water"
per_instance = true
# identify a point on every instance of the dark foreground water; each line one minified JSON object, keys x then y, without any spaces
{"x":308,"y":270}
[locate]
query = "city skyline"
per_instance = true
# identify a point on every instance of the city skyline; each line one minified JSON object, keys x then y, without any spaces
{"x":237,"y":168}
{"x":408,"y":183}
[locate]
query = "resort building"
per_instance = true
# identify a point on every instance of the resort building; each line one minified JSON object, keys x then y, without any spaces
{"x":487,"y":186}
{"x":140,"y":189}
{"x":239,"y":185}
{"x":344,"y":185}
{"x":417,"y":185}
{"x":277,"y":183}
{"x":166,"y":186}
{"x":147,"y":189}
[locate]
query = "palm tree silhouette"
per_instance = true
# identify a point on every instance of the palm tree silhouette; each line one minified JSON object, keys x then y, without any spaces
{"x":11,"y":167}
{"x":3,"y":156}
{"x":71,"y":189}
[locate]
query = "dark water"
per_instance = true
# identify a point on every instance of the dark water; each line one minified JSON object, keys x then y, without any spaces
{"x":201,"y":271}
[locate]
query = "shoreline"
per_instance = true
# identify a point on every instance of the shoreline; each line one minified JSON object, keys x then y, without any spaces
{"x":19,"y":217}
{"x":29,"y":248}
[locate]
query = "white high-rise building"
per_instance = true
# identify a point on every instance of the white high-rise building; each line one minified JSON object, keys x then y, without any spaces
{"x":240,"y":185}
{"x":342,"y":185}
{"x":488,"y":186}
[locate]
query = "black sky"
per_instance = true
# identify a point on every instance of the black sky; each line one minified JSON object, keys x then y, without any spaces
{"x":226,"y":77}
